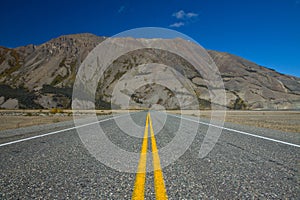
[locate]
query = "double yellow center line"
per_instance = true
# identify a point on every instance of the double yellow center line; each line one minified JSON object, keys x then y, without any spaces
{"x":139,"y":185}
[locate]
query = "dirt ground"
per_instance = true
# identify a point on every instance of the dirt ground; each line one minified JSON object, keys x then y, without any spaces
{"x":287,"y":121}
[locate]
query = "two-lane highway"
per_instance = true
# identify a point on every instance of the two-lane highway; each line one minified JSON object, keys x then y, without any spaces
{"x":56,"y":165}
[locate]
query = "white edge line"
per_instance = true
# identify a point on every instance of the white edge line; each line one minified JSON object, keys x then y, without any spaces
{"x":59,"y":131}
{"x":237,"y":131}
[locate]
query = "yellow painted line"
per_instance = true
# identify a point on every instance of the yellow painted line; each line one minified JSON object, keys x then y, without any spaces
{"x":139,"y":185}
{"x":159,"y":185}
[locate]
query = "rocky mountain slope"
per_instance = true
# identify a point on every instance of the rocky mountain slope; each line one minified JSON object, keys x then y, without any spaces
{"x":42,"y":77}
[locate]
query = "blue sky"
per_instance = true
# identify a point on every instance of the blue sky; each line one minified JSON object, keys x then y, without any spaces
{"x":264,"y":31}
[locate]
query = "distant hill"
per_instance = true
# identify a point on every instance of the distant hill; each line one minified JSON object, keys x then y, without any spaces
{"x":42,"y":77}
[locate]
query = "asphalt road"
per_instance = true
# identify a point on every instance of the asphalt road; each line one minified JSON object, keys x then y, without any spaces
{"x":240,"y":166}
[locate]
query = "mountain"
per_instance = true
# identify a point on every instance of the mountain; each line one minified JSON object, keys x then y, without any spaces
{"x":42,"y":77}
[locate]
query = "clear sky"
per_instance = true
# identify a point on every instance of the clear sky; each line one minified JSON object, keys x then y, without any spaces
{"x":266,"y":32}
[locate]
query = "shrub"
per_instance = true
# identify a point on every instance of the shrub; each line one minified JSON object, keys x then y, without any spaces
{"x":239,"y":104}
{"x":56,"y":110}
{"x":28,"y":114}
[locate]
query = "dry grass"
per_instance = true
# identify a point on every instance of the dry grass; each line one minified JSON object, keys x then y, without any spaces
{"x":11,"y":119}
{"x":12,"y":122}
{"x":287,"y":121}
{"x":283,"y":121}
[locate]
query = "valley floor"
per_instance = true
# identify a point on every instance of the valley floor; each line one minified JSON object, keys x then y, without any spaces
{"x":286,"y":121}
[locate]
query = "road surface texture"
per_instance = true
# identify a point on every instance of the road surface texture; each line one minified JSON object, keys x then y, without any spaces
{"x":240,"y":166}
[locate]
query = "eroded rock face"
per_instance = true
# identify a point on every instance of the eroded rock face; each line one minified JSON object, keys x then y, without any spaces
{"x":42,"y":77}
{"x":2,"y":99}
{"x":54,"y":62}
{"x":257,"y":86}
{"x":10,"y":104}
